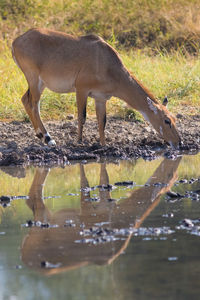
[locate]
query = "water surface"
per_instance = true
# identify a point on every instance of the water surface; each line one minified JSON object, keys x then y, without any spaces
{"x":154,"y":257}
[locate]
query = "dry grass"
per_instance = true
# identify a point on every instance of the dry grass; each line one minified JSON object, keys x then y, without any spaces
{"x":158,"y":41}
{"x":155,"y":24}
{"x":174,"y":75}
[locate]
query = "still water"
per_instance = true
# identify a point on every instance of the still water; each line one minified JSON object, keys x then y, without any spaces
{"x":101,"y":231}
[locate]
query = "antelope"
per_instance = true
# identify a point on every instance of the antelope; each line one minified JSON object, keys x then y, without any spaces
{"x":45,"y":245}
{"x":90,"y":67}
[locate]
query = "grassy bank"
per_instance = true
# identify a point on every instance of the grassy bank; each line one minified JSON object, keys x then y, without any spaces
{"x":151,"y":24}
{"x":158,"y":42}
{"x":174,"y":75}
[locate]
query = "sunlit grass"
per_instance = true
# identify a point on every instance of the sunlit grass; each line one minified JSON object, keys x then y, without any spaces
{"x":155,"y":24}
{"x":155,"y":27}
{"x":174,"y":75}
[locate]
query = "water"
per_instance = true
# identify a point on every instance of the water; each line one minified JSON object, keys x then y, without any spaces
{"x":153,"y":255}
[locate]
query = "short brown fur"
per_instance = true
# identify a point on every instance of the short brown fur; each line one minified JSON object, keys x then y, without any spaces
{"x":88,"y":66}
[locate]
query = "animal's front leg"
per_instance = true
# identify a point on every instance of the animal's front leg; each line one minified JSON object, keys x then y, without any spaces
{"x":101,"y":118}
{"x":81,"y":99}
{"x":41,"y":131}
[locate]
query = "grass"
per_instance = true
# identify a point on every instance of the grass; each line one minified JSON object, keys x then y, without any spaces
{"x":157,"y":40}
{"x":163,"y":24}
{"x":174,"y":75}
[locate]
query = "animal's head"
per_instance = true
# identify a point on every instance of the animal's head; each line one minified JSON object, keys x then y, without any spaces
{"x":164,"y":122}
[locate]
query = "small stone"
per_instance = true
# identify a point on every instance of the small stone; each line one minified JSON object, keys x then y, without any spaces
{"x":173,"y":194}
{"x":111,"y":200}
{"x":70,"y":117}
{"x":18,"y":267}
{"x":5,"y":199}
{"x":69,"y":221}
{"x":179,"y":116}
{"x":84,"y":162}
{"x":38,"y":223}
{"x":124,"y":183}
{"x":45,"y":225}
{"x":29,"y":223}
{"x":187,"y":223}
{"x":169,"y":215}
{"x":43,"y":264}
{"x":173,"y":258}
{"x":183,"y":181}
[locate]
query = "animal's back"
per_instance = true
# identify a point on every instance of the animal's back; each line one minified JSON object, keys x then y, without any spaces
{"x":41,"y":45}
{"x":44,"y":47}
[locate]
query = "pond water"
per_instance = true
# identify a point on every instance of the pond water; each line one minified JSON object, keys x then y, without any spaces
{"x":110,"y":230}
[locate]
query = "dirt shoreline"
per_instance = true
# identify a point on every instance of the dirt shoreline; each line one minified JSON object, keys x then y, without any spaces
{"x":125,"y":140}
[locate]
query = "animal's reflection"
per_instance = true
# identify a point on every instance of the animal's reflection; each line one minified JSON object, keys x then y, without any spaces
{"x":57,"y":245}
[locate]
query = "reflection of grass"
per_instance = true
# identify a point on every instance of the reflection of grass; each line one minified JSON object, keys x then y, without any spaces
{"x":1,"y":212}
{"x":60,"y":182}
{"x":12,"y":186}
{"x":189,"y":166}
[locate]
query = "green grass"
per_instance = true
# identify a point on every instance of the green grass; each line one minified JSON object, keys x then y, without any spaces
{"x":158,"y":41}
{"x":163,"y":24}
{"x":174,"y":75}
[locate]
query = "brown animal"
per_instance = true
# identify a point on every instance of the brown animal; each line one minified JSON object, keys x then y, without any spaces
{"x":90,"y":67}
{"x":58,"y":246}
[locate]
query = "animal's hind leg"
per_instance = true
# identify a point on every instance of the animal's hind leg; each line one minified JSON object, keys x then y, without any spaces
{"x":27,"y":102}
{"x":101,"y":118}
{"x":31,"y":102}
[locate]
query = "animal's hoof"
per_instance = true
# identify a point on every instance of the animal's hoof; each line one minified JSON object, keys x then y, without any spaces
{"x":51,"y":143}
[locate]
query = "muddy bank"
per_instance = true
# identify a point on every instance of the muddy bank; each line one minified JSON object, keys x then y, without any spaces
{"x":125,"y":139}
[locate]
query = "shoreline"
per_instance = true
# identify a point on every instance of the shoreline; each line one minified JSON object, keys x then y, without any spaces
{"x":124,"y":140}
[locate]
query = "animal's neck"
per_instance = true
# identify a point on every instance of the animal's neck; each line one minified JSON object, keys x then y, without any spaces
{"x":136,"y":95}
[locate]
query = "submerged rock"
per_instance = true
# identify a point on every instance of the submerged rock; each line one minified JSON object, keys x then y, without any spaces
{"x":174,"y":195}
{"x":31,"y":223}
{"x":124,"y":183}
{"x":48,"y":265}
{"x":98,"y":235}
{"x":187,"y":223}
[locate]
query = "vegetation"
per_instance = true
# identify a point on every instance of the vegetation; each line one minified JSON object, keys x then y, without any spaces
{"x":158,"y":40}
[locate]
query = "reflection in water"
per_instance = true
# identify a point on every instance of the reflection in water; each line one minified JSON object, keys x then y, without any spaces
{"x":57,"y":245}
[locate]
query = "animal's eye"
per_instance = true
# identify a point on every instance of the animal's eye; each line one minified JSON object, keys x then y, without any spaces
{"x":168,"y":121}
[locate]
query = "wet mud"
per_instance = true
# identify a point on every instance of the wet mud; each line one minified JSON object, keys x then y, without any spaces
{"x":124,"y":139}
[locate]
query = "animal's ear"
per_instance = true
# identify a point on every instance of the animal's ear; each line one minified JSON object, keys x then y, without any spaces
{"x":165,"y":101}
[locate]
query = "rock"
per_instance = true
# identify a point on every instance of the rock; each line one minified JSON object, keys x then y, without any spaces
{"x":5,"y":199}
{"x":187,"y":223}
{"x":29,"y":223}
{"x":124,"y":183}
{"x":179,"y":116}
{"x":70,"y":117}
{"x":174,"y":195}
{"x":183,"y":181}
